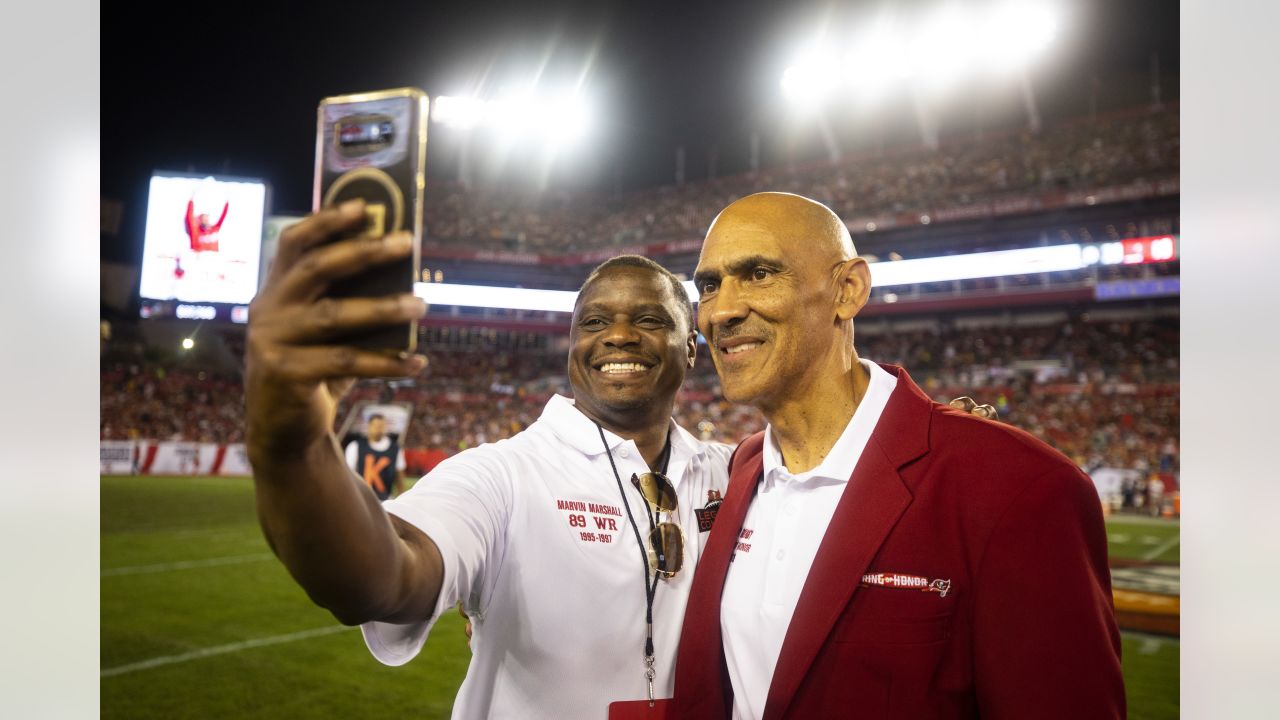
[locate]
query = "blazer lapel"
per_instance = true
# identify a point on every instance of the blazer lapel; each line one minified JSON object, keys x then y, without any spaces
{"x":869,"y":508}
{"x":701,"y":685}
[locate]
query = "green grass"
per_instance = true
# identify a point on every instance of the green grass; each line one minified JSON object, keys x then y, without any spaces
{"x":1150,"y":676}
{"x":158,"y":614}
{"x":1138,"y":538}
{"x":153,"y":612}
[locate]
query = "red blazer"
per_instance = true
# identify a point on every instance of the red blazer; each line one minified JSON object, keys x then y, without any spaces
{"x":1026,"y":628}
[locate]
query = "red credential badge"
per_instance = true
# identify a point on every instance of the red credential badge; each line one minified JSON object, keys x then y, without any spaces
{"x":640,"y":710}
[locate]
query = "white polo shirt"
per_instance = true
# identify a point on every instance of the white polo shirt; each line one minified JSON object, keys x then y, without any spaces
{"x":537,"y":547}
{"x":776,"y":547}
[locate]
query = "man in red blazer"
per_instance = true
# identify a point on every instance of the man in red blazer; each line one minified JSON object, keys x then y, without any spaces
{"x":877,"y":555}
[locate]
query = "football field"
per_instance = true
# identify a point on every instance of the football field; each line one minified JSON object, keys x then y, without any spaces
{"x":199,"y":620}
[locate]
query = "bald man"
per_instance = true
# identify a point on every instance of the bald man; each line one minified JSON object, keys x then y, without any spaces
{"x":877,"y":555}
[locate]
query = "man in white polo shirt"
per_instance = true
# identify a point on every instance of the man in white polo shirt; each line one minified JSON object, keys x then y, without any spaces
{"x":560,"y":546}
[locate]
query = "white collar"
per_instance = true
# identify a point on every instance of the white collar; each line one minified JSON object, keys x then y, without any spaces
{"x":580,"y":432}
{"x":839,"y":463}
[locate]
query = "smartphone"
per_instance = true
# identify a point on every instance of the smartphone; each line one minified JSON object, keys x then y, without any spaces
{"x":373,"y":146}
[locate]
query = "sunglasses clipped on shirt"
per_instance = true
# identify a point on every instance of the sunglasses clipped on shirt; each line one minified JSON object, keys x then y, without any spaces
{"x":666,"y":539}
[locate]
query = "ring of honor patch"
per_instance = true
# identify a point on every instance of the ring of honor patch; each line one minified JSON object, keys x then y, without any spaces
{"x":903,"y":581}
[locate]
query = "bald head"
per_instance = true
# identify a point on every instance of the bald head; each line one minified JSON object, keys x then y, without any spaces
{"x":796,"y":222}
{"x":779,"y":283}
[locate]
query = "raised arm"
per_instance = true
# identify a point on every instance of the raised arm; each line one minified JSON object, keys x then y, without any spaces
{"x":329,"y":530}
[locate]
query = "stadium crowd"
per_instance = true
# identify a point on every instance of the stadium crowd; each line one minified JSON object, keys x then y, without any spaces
{"x":142,"y":400}
{"x":1104,"y":393}
{"x":1079,"y":155}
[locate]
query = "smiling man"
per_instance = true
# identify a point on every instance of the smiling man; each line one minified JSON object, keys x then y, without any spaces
{"x":541,"y":537}
{"x":877,"y":555}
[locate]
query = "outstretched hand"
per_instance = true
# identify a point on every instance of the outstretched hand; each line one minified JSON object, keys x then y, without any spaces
{"x":296,"y":367}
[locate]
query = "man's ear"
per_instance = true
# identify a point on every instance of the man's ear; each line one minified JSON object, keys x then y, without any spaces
{"x":853,"y":287}
{"x":692,"y":346}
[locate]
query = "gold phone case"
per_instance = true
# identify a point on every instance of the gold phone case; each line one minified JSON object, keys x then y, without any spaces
{"x":373,"y":146}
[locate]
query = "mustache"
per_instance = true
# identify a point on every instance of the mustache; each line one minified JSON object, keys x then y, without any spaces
{"x":731,"y":333}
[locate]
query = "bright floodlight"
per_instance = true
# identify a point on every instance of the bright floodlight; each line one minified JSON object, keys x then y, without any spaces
{"x":807,"y":83}
{"x":557,"y":118}
{"x":878,"y":60}
{"x":513,"y":112}
{"x":564,"y":119}
{"x":459,"y":112}
{"x":1017,"y":32}
{"x":188,"y":343}
{"x":935,"y":50}
{"x":944,"y":48}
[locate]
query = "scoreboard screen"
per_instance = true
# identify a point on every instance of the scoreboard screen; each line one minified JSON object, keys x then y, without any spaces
{"x":202,"y":246}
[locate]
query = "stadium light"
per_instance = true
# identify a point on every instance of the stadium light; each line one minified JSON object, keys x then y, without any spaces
{"x":940,"y":48}
{"x":1023,"y":261}
{"x":459,"y":112}
{"x":943,"y":50}
{"x":878,"y":60}
{"x":557,"y":118}
{"x":188,"y":343}
{"x":564,"y":119}
{"x":808,"y":82}
{"x":1016,"y":32}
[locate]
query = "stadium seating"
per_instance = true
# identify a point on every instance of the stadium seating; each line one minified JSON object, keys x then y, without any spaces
{"x":1081,"y":155}
{"x":1104,"y":393}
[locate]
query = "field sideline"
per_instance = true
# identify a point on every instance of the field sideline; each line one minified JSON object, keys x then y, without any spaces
{"x":200,"y":621}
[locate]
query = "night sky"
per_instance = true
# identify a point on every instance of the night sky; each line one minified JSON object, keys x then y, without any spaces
{"x":232,"y":89}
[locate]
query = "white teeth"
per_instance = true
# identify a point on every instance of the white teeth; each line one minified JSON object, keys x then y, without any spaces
{"x":741,"y":348}
{"x":622,"y":367}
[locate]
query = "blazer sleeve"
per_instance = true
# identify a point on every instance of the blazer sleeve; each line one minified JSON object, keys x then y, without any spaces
{"x":1045,"y":639}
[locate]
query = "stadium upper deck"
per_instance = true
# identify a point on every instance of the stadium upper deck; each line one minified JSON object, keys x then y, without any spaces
{"x":1123,"y":157}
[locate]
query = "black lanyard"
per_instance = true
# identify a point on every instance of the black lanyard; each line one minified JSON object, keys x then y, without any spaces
{"x":650,"y":582}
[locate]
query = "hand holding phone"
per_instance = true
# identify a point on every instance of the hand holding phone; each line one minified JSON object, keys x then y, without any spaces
{"x":372,"y":146}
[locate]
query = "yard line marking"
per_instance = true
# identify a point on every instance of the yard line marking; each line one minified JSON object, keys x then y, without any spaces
{"x":1148,"y":638}
{"x":1150,"y":646}
{"x":1159,"y":550}
{"x":1143,"y":520}
{"x":222,"y":650}
{"x":186,"y":564}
